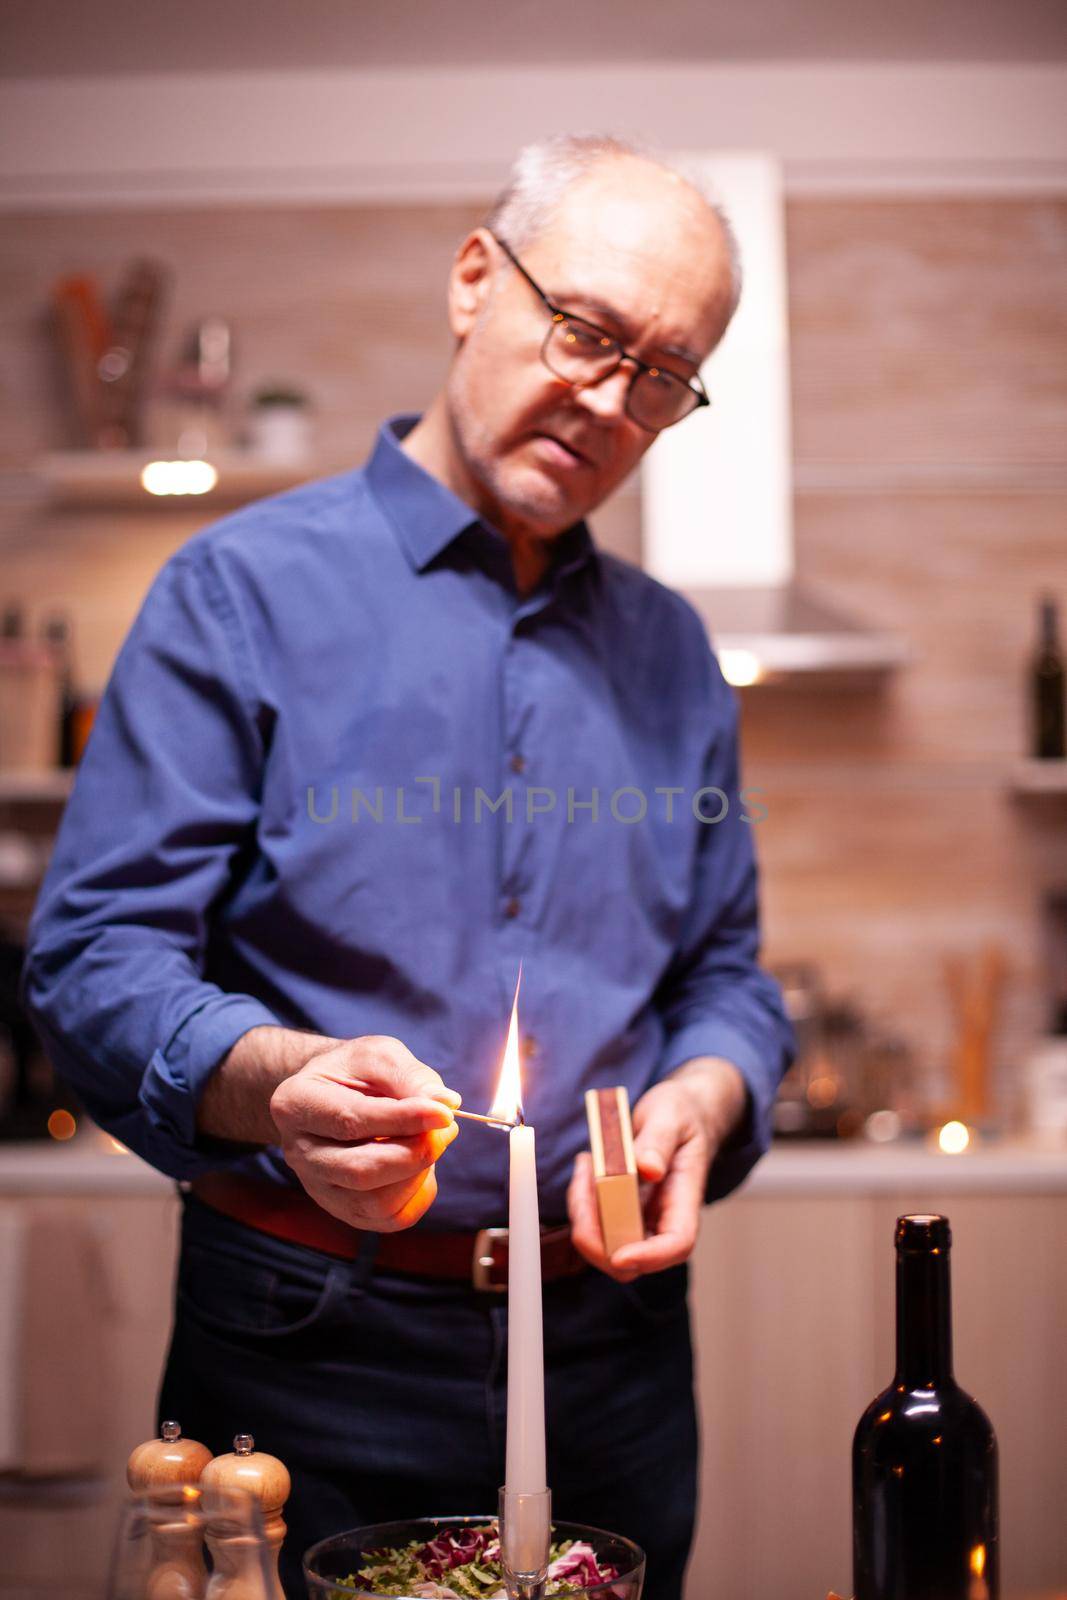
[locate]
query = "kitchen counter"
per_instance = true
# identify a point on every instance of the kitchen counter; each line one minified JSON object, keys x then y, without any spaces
{"x":90,"y":1165}
{"x":793,"y":1322}
{"x":1011,"y":1166}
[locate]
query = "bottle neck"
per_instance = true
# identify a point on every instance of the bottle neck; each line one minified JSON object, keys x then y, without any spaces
{"x":924,"y":1319}
{"x":1049,"y":631}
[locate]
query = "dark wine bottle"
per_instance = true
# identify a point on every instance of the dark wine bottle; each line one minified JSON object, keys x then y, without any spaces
{"x":924,"y":1458}
{"x":1047,"y":679}
{"x":57,"y":637}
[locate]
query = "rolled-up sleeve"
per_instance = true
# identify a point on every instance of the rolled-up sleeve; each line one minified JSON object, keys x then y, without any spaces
{"x":165,"y":800}
{"x":715,"y":999}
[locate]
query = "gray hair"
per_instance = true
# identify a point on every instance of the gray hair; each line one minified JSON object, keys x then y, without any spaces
{"x":542,"y":172}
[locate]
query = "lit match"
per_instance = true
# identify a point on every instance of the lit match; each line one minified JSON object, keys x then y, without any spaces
{"x":490,"y":1122}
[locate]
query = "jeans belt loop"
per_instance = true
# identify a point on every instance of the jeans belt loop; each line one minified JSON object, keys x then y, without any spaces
{"x":363,"y":1265}
{"x":483,"y":1260}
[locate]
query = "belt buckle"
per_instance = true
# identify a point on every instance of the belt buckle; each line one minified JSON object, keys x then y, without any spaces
{"x":483,"y":1261}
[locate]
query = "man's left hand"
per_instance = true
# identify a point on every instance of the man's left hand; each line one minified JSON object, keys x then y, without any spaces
{"x":679,"y":1125}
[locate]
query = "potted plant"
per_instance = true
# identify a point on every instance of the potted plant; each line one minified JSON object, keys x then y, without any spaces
{"x":279,"y":423}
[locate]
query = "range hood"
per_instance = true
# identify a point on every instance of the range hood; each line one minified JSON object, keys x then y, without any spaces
{"x":717,"y":492}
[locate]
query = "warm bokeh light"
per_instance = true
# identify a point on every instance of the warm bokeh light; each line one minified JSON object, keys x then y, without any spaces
{"x":179,"y":477}
{"x":61,"y":1125}
{"x":822,"y":1091}
{"x":954,"y":1138}
{"x":883,"y":1126}
{"x":978,"y":1560}
{"x":507,"y":1103}
{"x":740,"y":667}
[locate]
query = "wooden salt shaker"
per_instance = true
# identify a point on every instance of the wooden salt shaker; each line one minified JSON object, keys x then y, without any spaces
{"x":238,"y":1574}
{"x":167,"y":1466}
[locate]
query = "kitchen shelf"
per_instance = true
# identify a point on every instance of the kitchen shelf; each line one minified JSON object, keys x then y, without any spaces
{"x":111,"y":479}
{"x":1045,"y":779}
{"x":50,"y":787}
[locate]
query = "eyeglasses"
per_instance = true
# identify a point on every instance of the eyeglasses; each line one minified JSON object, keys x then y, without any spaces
{"x":581,"y":354}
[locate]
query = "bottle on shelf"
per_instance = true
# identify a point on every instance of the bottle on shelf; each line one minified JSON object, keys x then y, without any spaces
{"x":29,"y":696}
{"x":11,"y":623}
{"x":56,"y":634}
{"x":924,"y":1457}
{"x":76,"y":710}
{"x":1047,"y":679}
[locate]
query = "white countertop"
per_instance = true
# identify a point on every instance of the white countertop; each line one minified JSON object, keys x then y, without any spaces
{"x":1008,"y":1166}
{"x":90,"y":1166}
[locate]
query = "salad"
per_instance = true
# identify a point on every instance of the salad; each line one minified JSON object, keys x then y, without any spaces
{"x":464,"y":1564}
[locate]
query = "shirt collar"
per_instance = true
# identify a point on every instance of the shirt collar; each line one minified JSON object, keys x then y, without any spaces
{"x":427,"y":516}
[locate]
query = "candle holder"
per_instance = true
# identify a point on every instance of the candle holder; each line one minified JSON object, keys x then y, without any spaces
{"x":331,"y":1567}
{"x":525,"y":1523}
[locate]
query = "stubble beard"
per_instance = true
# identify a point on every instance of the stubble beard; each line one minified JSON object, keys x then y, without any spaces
{"x":511,"y":493}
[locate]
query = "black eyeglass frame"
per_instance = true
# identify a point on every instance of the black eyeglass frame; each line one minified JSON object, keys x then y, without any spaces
{"x":694,"y":385}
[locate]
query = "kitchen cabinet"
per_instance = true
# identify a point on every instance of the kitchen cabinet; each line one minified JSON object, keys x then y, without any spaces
{"x":79,"y":1357}
{"x":793,"y":1322}
{"x":793,"y":1314}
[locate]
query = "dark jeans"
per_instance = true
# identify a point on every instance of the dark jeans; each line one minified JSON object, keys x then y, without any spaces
{"x":385,"y":1395}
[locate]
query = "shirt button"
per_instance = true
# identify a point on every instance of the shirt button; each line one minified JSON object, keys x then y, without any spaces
{"x":512,"y":908}
{"x":517,"y":763}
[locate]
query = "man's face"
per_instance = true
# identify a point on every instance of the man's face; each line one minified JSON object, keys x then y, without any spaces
{"x":630,"y":250}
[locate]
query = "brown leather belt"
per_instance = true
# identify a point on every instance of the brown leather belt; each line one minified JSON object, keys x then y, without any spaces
{"x":480,"y":1259}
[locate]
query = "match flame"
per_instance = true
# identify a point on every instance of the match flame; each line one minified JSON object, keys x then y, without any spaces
{"x":507,"y":1103}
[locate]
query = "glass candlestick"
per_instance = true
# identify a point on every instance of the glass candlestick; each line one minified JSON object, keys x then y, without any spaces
{"x":525,"y":1523}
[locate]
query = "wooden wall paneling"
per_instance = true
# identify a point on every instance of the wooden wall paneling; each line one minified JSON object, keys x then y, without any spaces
{"x":960,"y":576}
{"x":881,"y":884}
{"x":890,"y":835}
{"x":928,"y":331}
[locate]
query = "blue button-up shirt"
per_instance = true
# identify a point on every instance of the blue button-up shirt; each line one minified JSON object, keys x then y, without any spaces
{"x":345,"y":777}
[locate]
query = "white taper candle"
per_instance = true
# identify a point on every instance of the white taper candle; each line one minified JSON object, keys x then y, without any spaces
{"x":526,"y":1362}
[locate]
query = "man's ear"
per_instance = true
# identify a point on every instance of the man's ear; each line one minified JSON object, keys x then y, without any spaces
{"x":470,"y":282}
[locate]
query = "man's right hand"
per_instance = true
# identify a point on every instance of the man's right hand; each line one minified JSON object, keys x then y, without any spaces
{"x":362,"y":1125}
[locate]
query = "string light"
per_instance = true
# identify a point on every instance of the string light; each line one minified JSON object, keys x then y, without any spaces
{"x":179,"y":477}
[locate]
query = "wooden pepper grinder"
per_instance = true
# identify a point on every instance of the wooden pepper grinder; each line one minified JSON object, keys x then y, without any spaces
{"x":238,"y":1573}
{"x":169,"y":1465}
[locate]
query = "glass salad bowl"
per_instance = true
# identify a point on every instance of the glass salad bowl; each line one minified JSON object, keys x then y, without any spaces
{"x":465,"y":1545}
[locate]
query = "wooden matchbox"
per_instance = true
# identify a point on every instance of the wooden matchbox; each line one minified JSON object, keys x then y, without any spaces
{"x":611,"y":1141}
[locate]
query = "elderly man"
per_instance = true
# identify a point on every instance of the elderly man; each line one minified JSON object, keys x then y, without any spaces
{"x":368,"y":745}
